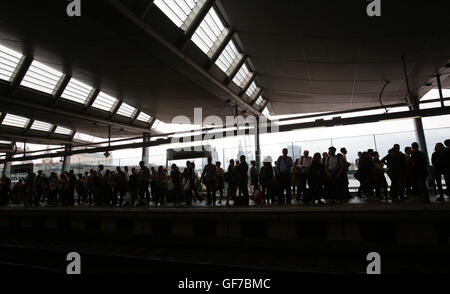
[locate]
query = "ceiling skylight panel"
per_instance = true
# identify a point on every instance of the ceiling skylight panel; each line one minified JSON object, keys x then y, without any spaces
{"x":63,"y":131}
{"x":15,"y":121}
{"x":144,"y":117}
{"x":104,"y":102}
{"x":41,"y":126}
{"x":259,"y":100}
{"x":41,"y":77}
{"x":209,"y":31}
{"x":126,"y":110}
{"x":251,"y":90}
{"x":241,"y":77}
{"x":227,"y":57}
{"x":178,"y":11}
{"x":9,"y":59}
{"x":76,"y":91}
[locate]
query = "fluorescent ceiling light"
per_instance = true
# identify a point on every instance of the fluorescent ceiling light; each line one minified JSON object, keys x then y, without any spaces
{"x":104,"y":102}
{"x":126,"y":110}
{"x":15,"y":121}
{"x":209,"y":31}
{"x":63,"y":131}
{"x":9,"y":59}
{"x":76,"y":91}
{"x":41,"y":77}
{"x":41,"y":126}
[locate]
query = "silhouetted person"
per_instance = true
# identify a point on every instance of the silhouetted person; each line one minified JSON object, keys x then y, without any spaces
{"x":420,"y":172}
{"x":315,"y":176}
{"x":334,"y":168}
{"x":283,"y":166}
{"x":266,"y":178}
{"x":209,"y":178}
{"x":243,"y":176}
{"x":439,"y":159}
{"x":144,"y":181}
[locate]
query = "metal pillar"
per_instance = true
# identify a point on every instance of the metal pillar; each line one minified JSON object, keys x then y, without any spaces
{"x":7,"y":165}
{"x":67,"y":159}
{"x":145,"y":150}
{"x":257,"y":146}
{"x":441,"y":96}
{"x":420,"y":133}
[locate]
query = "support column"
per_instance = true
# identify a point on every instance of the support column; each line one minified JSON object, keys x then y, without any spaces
{"x":67,"y":158}
{"x":257,"y":146}
{"x":7,"y":165}
{"x":420,"y":133}
{"x":145,"y":150}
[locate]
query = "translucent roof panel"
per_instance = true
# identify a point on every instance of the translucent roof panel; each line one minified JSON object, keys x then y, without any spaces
{"x":208,"y":31}
{"x":41,"y":126}
{"x":15,"y":121}
{"x":41,"y":77}
{"x":9,"y":59}
{"x":104,"y":102}
{"x":126,"y":110}
{"x":251,"y":90}
{"x":259,"y":101}
{"x":227,"y":57}
{"x":76,"y":91}
{"x":242,"y":76}
{"x":177,"y":11}
{"x":63,"y":131}
{"x":144,"y":117}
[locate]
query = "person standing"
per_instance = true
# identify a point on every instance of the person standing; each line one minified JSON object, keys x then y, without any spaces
{"x":188,"y":176}
{"x":175,"y":176}
{"x":334,"y":167}
{"x":266,"y":177}
{"x":220,"y":180}
{"x":304,"y":163}
{"x":283,"y":167}
{"x":144,"y":181}
{"x":315,"y":177}
{"x":420,"y":172}
{"x":439,"y":159}
{"x":243,"y":175}
{"x":134,"y":184}
{"x":230,"y":178}
{"x":254,"y":177}
{"x":209,"y":178}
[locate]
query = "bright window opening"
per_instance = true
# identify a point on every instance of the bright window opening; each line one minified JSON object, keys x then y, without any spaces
{"x":15,"y":121}
{"x":126,"y":110}
{"x":179,"y":11}
{"x":41,"y":126}
{"x":266,"y":112}
{"x":104,"y":102}
{"x":41,"y":77}
{"x":76,"y":91}
{"x":228,"y":56}
{"x":144,"y":117}
{"x":208,"y":32}
{"x":63,"y":131}
{"x":9,"y":59}
{"x":242,"y":77}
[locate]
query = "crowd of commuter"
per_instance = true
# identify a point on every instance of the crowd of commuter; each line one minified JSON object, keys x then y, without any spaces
{"x":308,"y":179}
